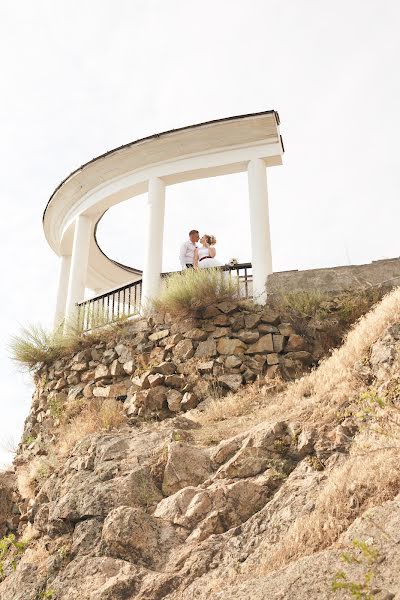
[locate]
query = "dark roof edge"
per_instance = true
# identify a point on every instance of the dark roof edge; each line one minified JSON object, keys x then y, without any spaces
{"x":154,"y":136}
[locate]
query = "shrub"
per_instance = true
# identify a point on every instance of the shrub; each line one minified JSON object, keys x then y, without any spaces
{"x":367,"y":557}
{"x":306,"y":304}
{"x":37,"y":345}
{"x":190,"y":290}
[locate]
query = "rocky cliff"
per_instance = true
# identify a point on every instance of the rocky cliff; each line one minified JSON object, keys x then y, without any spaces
{"x":181,"y":459}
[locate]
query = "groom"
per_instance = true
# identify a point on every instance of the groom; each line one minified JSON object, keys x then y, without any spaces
{"x":186,"y":255}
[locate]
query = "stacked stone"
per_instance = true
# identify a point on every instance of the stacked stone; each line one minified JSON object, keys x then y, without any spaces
{"x":158,"y":367}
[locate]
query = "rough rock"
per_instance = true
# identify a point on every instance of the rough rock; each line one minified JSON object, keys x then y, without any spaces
{"x":186,"y":465}
{"x":174,"y":399}
{"x":133,"y":535}
{"x":196,"y":334}
{"x":230,"y":346}
{"x":264,"y":344}
{"x":183,"y":350}
{"x":295,"y":343}
{"x":206,"y":349}
{"x":190,"y":400}
{"x":232,"y":382}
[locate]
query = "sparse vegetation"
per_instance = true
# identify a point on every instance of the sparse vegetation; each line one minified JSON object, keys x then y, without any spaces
{"x":96,"y":415}
{"x":366,"y":556}
{"x":55,"y":407}
{"x":10,"y":550}
{"x":47,"y":594}
{"x":186,"y":292}
{"x":35,"y":345}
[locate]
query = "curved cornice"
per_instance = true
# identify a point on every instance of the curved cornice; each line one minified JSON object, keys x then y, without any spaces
{"x":207,"y":149}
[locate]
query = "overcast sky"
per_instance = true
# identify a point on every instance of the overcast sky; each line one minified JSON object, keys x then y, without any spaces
{"x":78,"y":78}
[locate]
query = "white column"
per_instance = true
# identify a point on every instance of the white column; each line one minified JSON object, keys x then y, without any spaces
{"x":261,"y":256}
{"x":79,"y":263}
{"x":65,"y":265}
{"x":154,"y":244}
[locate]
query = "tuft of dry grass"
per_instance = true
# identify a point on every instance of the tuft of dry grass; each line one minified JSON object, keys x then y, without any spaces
{"x":226,"y":416}
{"x":95,"y":416}
{"x":34,"y":473}
{"x":186,"y":292}
{"x":35,"y":345}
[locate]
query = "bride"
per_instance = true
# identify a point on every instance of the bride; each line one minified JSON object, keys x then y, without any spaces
{"x":204,"y":257}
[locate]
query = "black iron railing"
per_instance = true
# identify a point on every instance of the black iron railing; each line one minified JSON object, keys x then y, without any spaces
{"x":112,"y":306}
{"x":124,"y":302}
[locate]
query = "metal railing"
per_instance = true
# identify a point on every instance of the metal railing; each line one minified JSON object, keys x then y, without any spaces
{"x":124,"y":302}
{"x":112,"y":306}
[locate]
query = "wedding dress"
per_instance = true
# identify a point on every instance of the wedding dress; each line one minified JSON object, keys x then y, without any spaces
{"x":205,"y":260}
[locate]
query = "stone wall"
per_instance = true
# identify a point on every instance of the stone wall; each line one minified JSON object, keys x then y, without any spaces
{"x":159,"y":369}
{"x":338,"y":279}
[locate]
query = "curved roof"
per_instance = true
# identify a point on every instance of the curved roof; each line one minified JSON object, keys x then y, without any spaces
{"x":207,"y":149}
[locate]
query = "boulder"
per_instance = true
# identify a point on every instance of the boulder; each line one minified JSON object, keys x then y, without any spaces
{"x":186,"y":465}
{"x":227,"y":307}
{"x":286,"y":329}
{"x":156,"y":379}
{"x":206,"y":349}
{"x":165,"y":368}
{"x":175,"y":381}
{"x":252,"y":320}
{"x":116,"y":369}
{"x":295,"y":343}
{"x":221,"y":332}
{"x":272,"y":359}
{"x":190,"y":400}
{"x":101,"y":372}
{"x":183,"y":350}
{"x":232,"y":382}
{"x":279,"y":342}
{"x":210,"y":311}
{"x":270,"y":316}
{"x":133,"y":535}
{"x":266,"y":328}
{"x":230,"y":346}
{"x":79,"y":366}
{"x":301,"y":355}
{"x":205,"y":367}
{"x":221,"y":320}
{"x":263,"y":345}
{"x":248,"y":337}
{"x":159,"y":335}
{"x":232,"y":362}
{"x":196,"y":334}
{"x":128,"y":367}
{"x":174,"y":398}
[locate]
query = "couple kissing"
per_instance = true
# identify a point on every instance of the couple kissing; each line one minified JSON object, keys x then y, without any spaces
{"x":195,"y":256}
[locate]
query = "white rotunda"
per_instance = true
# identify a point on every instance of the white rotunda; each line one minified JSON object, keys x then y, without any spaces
{"x":249,"y":143}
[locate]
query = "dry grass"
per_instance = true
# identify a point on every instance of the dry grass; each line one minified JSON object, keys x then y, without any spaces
{"x":186,"y":292}
{"x":33,"y":474}
{"x":95,"y":416}
{"x":368,"y":476}
{"x":35,"y":345}
{"x":227,"y":416}
{"x":317,"y":397}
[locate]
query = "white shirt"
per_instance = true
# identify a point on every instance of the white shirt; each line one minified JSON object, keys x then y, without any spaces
{"x":186,"y":255}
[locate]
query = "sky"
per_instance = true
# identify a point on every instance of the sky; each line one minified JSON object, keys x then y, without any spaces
{"x":79,"y":78}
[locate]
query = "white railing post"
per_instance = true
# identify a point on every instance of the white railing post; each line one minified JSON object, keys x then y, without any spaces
{"x":154,"y":243}
{"x":259,"y":225}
